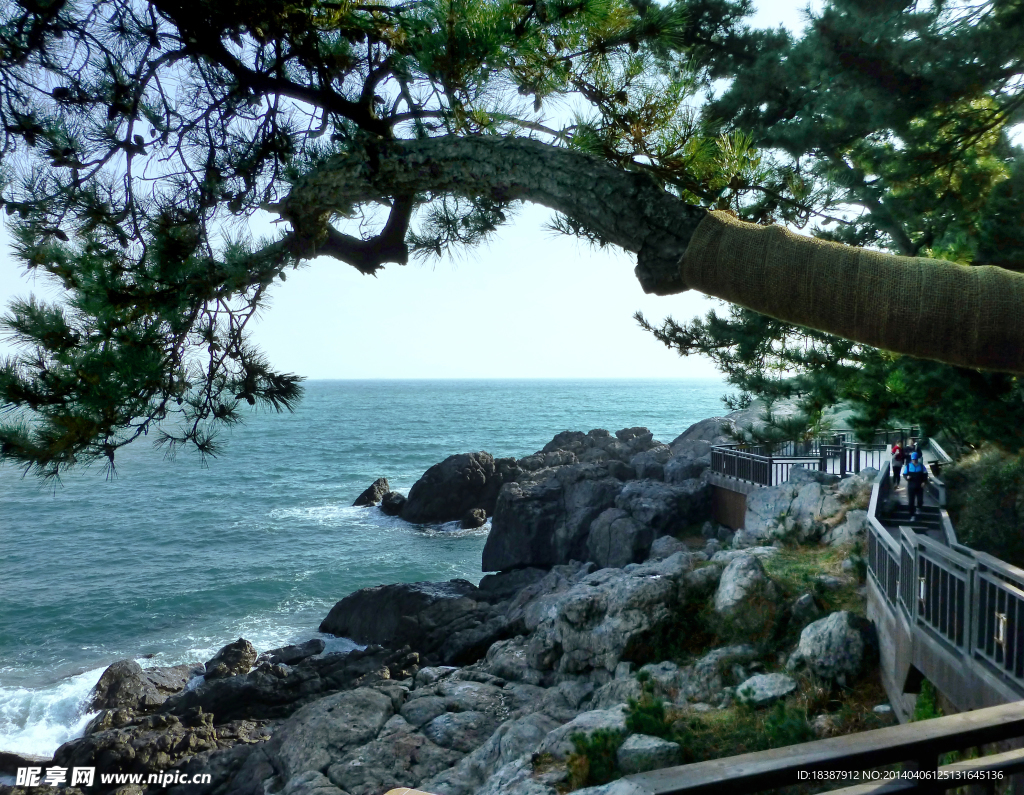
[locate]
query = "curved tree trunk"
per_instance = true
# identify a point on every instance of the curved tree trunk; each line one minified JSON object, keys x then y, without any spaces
{"x":967,"y":316}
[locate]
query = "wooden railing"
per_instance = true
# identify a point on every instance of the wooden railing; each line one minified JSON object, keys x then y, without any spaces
{"x":969,"y":603}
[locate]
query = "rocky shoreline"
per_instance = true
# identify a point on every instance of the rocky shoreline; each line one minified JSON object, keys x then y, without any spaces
{"x":611,"y":589}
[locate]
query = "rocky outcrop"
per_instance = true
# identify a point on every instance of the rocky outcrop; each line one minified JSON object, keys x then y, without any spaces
{"x":290,"y":655}
{"x":546,"y":522}
{"x":664,"y":507}
{"x":641,"y":752}
{"x":744,"y":578}
{"x":126,"y":685}
{"x":473,"y":518}
{"x":838,"y":647}
{"x":764,"y":689}
{"x":373,"y":494}
{"x":235,"y":658}
{"x":448,"y":490}
{"x":616,"y":539}
{"x":392,"y":503}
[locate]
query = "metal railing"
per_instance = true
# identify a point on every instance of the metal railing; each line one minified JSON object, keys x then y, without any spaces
{"x":970,"y":602}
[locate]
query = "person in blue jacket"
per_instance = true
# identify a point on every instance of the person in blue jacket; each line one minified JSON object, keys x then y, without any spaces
{"x":915,"y":474}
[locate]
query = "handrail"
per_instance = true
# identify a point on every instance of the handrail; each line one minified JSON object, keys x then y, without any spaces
{"x":921,"y":743}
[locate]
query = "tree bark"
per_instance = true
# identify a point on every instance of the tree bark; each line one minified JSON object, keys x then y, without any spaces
{"x":626,"y":208}
{"x":966,"y":316}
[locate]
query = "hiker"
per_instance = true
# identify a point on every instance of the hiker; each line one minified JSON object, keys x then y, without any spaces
{"x":897,"y":464}
{"x":916,"y":474}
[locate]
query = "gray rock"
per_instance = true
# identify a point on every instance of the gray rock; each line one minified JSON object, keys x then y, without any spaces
{"x":546,"y":522}
{"x":617,"y":691}
{"x":450,"y":619}
{"x":474,"y":517}
{"x":650,"y":465}
{"x":767,"y":509}
{"x":829,"y":582}
{"x":616,"y":540}
{"x":431,"y":674}
{"x":805,"y":610}
{"x":641,"y":752}
{"x":373,"y":494}
{"x":852,"y":529}
{"x":706,"y":680}
{"x":383,"y":764}
{"x":558,"y":742}
{"x":725,"y":535}
{"x":802,"y":474}
{"x":665,"y":547}
{"x":418,"y":711}
{"x":460,"y":731}
{"x":708,"y":531}
{"x":729,"y":555}
{"x":506,"y":584}
{"x":542,"y":460}
{"x":665,"y":507}
{"x":688,"y":464}
{"x":509,"y":659}
{"x":713,"y":547}
{"x":764,"y":689}
{"x":289,"y":655}
{"x":235,"y":658}
{"x":714,"y":430}
{"x":126,"y":685}
{"x":742,"y":578}
{"x":882,"y":709}
{"x":458,"y":484}
{"x":837,"y":647}
{"x":392,"y":503}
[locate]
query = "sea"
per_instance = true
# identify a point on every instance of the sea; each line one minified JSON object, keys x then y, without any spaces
{"x":168,"y":559}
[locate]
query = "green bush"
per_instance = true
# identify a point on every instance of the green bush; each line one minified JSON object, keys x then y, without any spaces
{"x":646,"y":715}
{"x":594,"y":760}
{"x":986,"y":503}
{"x":786,"y":725}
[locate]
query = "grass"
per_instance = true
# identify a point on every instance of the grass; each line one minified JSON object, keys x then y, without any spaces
{"x":794,"y":570}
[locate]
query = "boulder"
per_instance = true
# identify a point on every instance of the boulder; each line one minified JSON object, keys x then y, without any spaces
{"x":764,"y":689}
{"x":714,"y":430}
{"x":665,"y":547}
{"x":641,"y":752}
{"x":289,"y":655}
{"x":804,"y":610}
{"x":373,"y":494}
{"x":392,"y":503}
{"x":451,"y":619}
{"x":838,"y":647}
{"x":800,"y":475}
{"x":665,"y":507}
{"x":558,"y":743}
{"x":458,"y":484}
{"x":546,"y":522}
{"x":542,"y":460}
{"x":852,"y":529}
{"x":743,"y":578}
{"x":506,"y":584}
{"x":767,"y":509}
{"x":689,"y":460}
{"x":705,"y":681}
{"x":615,"y":539}
{"x":235,"y":658}
{"x":473,"y":518}
{"x":126,"y":685}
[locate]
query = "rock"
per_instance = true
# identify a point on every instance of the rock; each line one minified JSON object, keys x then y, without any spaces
{"x":641,"y":752}
{"x":506,"y":584}
{"x":882,"y":709}
{"x":803,"y":474}
{"x":838,"y":647}
{"x":728,"y":555}
{"x":374,"y":494}
{"x":452,"y":619}
{"x":767,"y":509}
{"x":126,"y":685}
{"x":235,"y":658}
{"x":713,"y":547}
{"x":714,"y":430}
{"x":804,"y":610}
{"x":689,"y":463}
{"x":616,"y":540}
{"x":392,"y":503}
{"x":289,"y":655}
{"x":852,"y":529}
{"x":829,"y":582}
{"x":650,"y":464}
{"x":825,"y":725}
{"x":665,"y":547}
{"x":764,"y":689}
{"x":664,"y":507}
{"x":509,"y":660}
{"x":617,"y":691}
{"x":706,"y":679}
{"x":546,"y":522}
{"x":588,"y":628}
{"x":743,"y":579}
{"x":431,"y":674}
{"x":475,"y":517}
{"x":725,"y":535}
{"x":460,"y":731}
{"x":10,"y":762}
{"x":708,"y":531}
{"x":458,"y":484}
{"x":558,"y":742}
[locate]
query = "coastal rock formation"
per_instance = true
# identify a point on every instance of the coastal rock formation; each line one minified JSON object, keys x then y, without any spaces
{"x":616,"y":540}
{"x":235,"y":658}
{"x":126,"y":685}
{"x":290,"y":655}
{"x":392,"y":503}
{"x":663,"y":507}
{"x":474,"y":517}
{"x":453,"y":621}
{"x":373,"y":494}
{"x":458,"y":484}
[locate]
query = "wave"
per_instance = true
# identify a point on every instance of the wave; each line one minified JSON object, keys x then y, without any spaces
{"x":39,"y":720}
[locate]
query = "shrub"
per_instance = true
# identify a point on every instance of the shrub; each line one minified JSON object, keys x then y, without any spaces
{"x":594,"y":761}
{"x":986,"y":503}
{"x":646,"y":715}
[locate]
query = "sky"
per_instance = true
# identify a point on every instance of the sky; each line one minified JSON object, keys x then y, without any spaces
{"x":529,"y":304}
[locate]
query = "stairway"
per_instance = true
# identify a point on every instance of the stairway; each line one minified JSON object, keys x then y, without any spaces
{"x":926,"y":521}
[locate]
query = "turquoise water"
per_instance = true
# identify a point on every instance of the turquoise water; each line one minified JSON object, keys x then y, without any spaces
{"x":170,"y":560}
